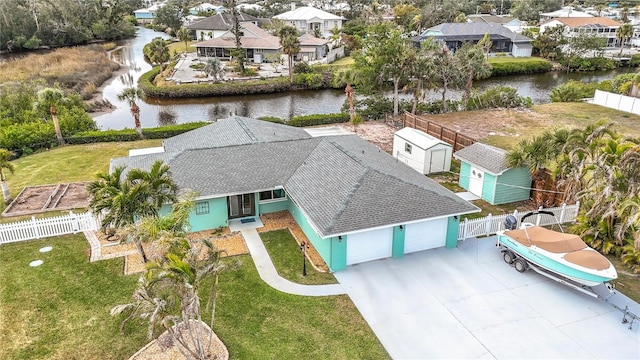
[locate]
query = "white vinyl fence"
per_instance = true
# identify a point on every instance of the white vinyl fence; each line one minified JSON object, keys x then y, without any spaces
{"x":45,"y":227}
{"x":489,"y":225}
{"x":616,"y":101}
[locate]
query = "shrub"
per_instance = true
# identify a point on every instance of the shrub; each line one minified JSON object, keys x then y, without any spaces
{"x":162,"y":132}
{"x":635,"y":60}
{"x":318,"y":119}
{"x":309,"y":81}
{"x":588,"y":64}
{"x":497,"y":97}
{"x":529,"y":66}
{"x":272,"y":119}
{"x":573,"y":90}
{"x":302,"y":68}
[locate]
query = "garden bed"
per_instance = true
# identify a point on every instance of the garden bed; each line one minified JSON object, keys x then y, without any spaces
{"x":45,"y":198}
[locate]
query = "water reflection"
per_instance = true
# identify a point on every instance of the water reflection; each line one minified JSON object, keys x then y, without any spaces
{"x":154,"y":111}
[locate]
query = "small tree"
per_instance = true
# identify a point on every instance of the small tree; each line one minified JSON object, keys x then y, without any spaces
{"x":214,"y":68}
{"x":624,"y":33}
{"x":5,"y":157}
{"x":184,"y":35}
{"x":51,"y":98}
{"x":157,"y":52}
{"x":130,"y":95}
{"x":290,"y":45}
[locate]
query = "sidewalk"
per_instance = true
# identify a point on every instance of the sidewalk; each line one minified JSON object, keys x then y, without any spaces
{"x":269,"y":274}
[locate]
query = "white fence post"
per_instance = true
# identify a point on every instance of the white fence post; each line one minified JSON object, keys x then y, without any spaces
{"x":488,"y":224}
{"x":74,"y":222}
{"x":34,"y":226}
{"x":564,"y":208}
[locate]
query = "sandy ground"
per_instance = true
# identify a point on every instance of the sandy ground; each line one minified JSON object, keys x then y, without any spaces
{"x":378,"y":133}
{"x":37,"y":199}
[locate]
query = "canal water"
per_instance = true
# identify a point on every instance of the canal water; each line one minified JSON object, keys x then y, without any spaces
{"x":154,"y":112}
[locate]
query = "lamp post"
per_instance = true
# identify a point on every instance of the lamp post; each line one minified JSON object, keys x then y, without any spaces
{"x":303,"y":247}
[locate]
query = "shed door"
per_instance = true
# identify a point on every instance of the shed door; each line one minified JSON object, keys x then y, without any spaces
{"x":369,"y":245}
{"x":438,"y":159}
{"x":425,"y":235}
{"x":476,"y":179}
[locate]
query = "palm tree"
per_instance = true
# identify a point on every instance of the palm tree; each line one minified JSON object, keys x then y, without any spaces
{"x":624,"y":33}
{"x":130,"y":95}
{"x":474,"y":65}
{"x":157,"y":52}
{"x":162,"y":187}
{"x":535,"y":154}
{"x":184,"y":35}
{"x":213,"y":67}
{"x":51,"y":98}
{"x":290,"y":45}
{"x":349,"y":77}
{"x":5,"y":157}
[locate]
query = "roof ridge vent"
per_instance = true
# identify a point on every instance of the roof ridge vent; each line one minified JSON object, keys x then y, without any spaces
{"x":244,"y":127}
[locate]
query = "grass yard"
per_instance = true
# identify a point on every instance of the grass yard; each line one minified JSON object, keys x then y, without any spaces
{"x":287,"y":258}
{"x":60,"y":310}
{"x":68,"y":164}
{"x":178,"y":47}
{"x":347,"y":60}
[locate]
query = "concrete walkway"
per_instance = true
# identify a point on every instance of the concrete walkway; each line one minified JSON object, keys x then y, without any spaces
{"x":269,"y":274}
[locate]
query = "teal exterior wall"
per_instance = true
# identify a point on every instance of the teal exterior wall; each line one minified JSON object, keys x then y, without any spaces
{"x":217,"y":216}
{"x":465,"y":173}
{"x":397,"y":246}
{"x":272,"y":206}
{"x":332,"y":250}
{"x":453,"y":227}
{"x":521,"y":178}
{"x":488,"y":187}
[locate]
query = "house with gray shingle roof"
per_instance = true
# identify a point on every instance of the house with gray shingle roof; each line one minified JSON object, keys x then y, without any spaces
{"x":218,"y":24}
{"x":484,"y":173}
{"x":353,"y":201}
{"x":456,"y":34}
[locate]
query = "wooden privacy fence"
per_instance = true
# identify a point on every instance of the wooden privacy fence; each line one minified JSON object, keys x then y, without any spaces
{"x":46,"y":227}
{"x":489,"y":225}
{"x":450,"y":136}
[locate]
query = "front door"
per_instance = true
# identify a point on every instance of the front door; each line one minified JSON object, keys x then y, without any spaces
{"x":241,"y":205}
{"x":476,"y":181}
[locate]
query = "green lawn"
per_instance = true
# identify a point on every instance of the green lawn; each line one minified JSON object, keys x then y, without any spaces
{"x":347,"y":60}
{"x":60,"y":310}
{"x":511,"y":59}
{"x":68,"y":164}
{"x":287,"y":258}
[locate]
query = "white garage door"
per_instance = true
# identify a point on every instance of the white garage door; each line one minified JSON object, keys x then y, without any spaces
{"x":425,"y":235}
{"x":369,"y":245}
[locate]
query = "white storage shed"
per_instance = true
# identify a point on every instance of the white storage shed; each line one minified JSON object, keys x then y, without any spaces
{"x":422,"y":151}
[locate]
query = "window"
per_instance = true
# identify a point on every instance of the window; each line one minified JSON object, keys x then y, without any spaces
{"x":326,"y":23}
{"x":202,"y":207}
{"x":272,"y":195}
{"x":407,"y":148}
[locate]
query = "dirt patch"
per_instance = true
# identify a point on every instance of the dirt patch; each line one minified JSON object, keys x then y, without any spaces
{"x":44,"y":198}
{"x":376,"y":132}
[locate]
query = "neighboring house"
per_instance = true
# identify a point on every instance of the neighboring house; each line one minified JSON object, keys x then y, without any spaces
{"x":353,"y":201}
{"x":214,"y":26}
{"x":601,"y":26}
{"x":252,"y":7}
{"x":146,"y":16}
{"x":484,"y":173}
{"x":456,"y":34}
{"x":510,"y":23}
{"x":206,"y":7}
{"x":312,"y":48}
{"x":257,"y":43}
{"x":565,"y":12}
{"x":307,"y":19}
{"x":421,"y":151}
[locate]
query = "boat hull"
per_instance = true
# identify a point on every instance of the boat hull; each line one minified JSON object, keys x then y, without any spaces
{"x":555,"y":264}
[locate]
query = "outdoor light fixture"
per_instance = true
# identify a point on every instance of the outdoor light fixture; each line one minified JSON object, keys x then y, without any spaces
{"x":303,"y":247}
{"x":401,"y":227}
{"x":340,"y":238}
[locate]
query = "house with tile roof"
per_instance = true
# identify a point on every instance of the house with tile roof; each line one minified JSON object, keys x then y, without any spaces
{"x":307,"y":19}
{"x":484,"y":173}
{"x":255,"y":41}
{"x":600,"y":26}
{"x":353,"y":201}
{"x":217,"y":25}
{"x":456,"y":34}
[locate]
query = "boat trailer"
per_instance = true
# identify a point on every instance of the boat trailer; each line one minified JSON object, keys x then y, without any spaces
{"x":605,"y":292}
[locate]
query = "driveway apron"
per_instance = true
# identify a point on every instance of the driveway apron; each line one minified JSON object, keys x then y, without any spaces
{"x":467,"y":303}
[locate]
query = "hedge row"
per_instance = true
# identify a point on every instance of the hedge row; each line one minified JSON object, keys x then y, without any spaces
{"x":318,"y":119}
{"x":530,"y":66}
{"x":162,"y":132}
{"x":273,"y":85}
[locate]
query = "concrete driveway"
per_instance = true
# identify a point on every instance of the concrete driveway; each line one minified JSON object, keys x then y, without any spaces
{"x":467,"y":303}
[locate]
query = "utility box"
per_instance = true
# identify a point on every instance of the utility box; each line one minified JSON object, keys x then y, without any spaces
{"x":421,"y":151}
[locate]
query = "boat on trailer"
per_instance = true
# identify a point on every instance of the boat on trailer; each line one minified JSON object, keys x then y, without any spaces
{"x":564,"y":258}
{"x":566,"y":255}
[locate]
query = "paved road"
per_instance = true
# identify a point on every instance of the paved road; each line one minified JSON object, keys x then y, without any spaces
{"x":467,"y":303}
